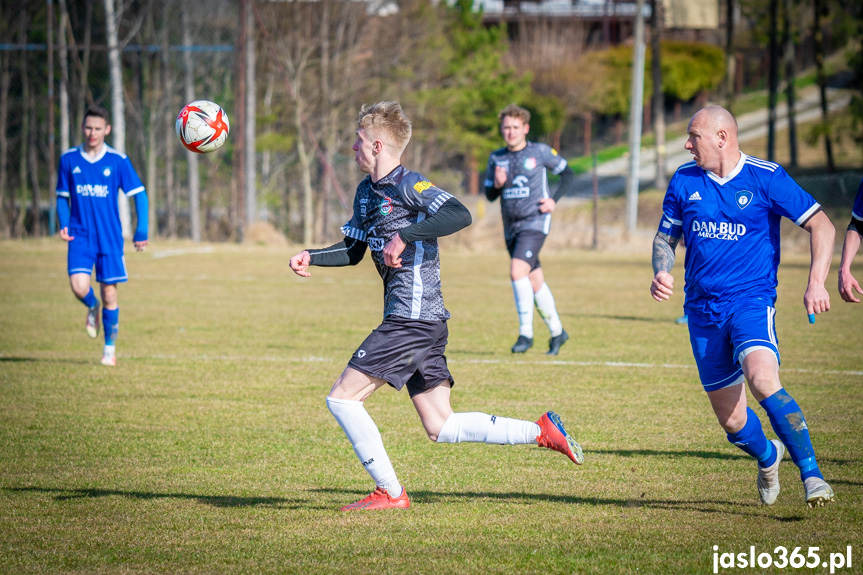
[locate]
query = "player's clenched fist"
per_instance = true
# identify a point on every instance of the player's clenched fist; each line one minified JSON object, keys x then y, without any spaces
{"x":662,"y":286}
{"x":300,"y":263}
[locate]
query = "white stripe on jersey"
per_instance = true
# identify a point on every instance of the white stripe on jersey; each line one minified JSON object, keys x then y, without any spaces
{"x":771,"y":326}
{"x":764,"y":164}
{"x":417,"y":292}
{"x":353,"y":233}
{"x":808,"y":214}
{"x":437,"y":203}
{"x":672,"y":220}
{"x":63,"y":193}
{"x":133,"y":192}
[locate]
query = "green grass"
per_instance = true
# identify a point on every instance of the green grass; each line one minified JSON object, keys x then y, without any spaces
{"x":209,"y":448}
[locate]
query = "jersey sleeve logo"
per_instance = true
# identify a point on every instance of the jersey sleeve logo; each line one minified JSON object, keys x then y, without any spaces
{"x":744,"y":198}
{"x":422,"y":186}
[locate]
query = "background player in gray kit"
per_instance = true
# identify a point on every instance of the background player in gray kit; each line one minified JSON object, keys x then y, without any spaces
{"x":518,"y":174}
{"x":399,"y":215}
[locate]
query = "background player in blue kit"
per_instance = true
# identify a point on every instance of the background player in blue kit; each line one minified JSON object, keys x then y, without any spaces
{"x":89,"y":179}
{"x":728,"y":207}
{"x":518,"y":174}
{"x":399,"y":215}
{"x":847,"y":282}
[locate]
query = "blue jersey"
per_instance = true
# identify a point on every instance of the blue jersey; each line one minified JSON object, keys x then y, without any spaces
{"x":731,"y":229}
{"x":92,"y":185}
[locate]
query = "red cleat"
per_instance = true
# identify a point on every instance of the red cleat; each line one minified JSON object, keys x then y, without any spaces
{"x":380,"y":499}
{"x":554,"y":436}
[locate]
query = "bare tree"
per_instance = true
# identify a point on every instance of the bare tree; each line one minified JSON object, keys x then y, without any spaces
{"x":191,"y":157}
{"x":788,"y":42}
{"x":660,"y":180}
{"x":118,"y":105}
{"x":820,"y":9}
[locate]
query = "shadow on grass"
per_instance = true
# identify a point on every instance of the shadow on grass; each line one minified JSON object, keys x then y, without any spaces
{"x":702,"y":455}
{"x":701,"y":506}
{"x":228,"y":501}
{"x":16,"y":359}
{"x":719,"y":506}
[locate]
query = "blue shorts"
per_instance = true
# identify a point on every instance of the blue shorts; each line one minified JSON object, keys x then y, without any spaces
{"x":719,"y":347}
{"x":110,"y":268}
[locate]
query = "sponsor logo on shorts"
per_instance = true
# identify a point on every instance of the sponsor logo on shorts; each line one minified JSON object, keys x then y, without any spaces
{"x":528,"y":253}
{"x":361,"y":353}
{"x":744,"y":198}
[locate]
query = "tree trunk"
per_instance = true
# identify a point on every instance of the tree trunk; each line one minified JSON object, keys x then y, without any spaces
{"x":250,"y":176}
{"x":730,"y":58}
{"x":118,"y":112}
{"x":660,"y":180}
{"x":788,"y":41}
{"x":64,"y":78}
{"x":6,"y":206}
{"x":305,"y":176}
{"x":818,"y":33}
{"x":170,"y":117}
{"x":191,"y":157}
{"x":773,"y":81}
{"x":25,"y":141}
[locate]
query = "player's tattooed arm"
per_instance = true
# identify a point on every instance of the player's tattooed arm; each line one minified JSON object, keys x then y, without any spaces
{"x":663,"y":252}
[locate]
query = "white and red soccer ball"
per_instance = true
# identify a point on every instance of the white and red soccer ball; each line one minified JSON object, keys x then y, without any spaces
{"x":202,"y":126}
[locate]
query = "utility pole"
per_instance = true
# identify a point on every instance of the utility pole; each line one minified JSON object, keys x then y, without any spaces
{"x":635,"y":112}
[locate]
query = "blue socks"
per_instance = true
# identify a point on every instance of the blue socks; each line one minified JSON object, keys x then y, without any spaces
{"x":752,"y":440}
{"x":110,"y":323}
{"x":90,"y":300}
{"x":790,"y":426}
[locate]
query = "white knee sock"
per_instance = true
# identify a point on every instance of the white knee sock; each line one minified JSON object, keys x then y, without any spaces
{"x":545,"y":304}
{"x":523,"y":292}
{"x":366,"y":440}
{"x":477,"y":427}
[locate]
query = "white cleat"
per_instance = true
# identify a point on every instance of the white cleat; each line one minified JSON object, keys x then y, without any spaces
{"x":768,"y":477}
{"x":818,"y":492}
{"x":92,"y":324}
{"x":109,"y":357}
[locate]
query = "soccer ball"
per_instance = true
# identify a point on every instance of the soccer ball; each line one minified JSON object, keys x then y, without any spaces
{"x":202,"y":126}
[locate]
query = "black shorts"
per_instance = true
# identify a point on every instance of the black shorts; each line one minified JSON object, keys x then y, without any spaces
{"x":404,"y":351}
{"x":525,"y":246}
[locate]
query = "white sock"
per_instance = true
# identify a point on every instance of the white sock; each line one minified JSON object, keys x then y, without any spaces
{"x":477,"y":427}
{"x":109,"y":350}
{"x":547,"y":310}
{"x":366,"y":440}
{"x":523,"y":292}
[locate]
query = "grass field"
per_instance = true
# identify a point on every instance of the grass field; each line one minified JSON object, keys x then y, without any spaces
{"x":209,"y":448}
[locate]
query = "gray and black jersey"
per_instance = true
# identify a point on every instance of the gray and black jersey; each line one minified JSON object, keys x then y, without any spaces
{"x":381,"y":209}
{"x":526,"y":184}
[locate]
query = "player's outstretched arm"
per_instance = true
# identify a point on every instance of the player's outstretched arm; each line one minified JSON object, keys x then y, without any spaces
{"x":821,"y":237}
{"x":300,"y":263}
{"x":662,"y":286}
{"x":847,"y":282}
